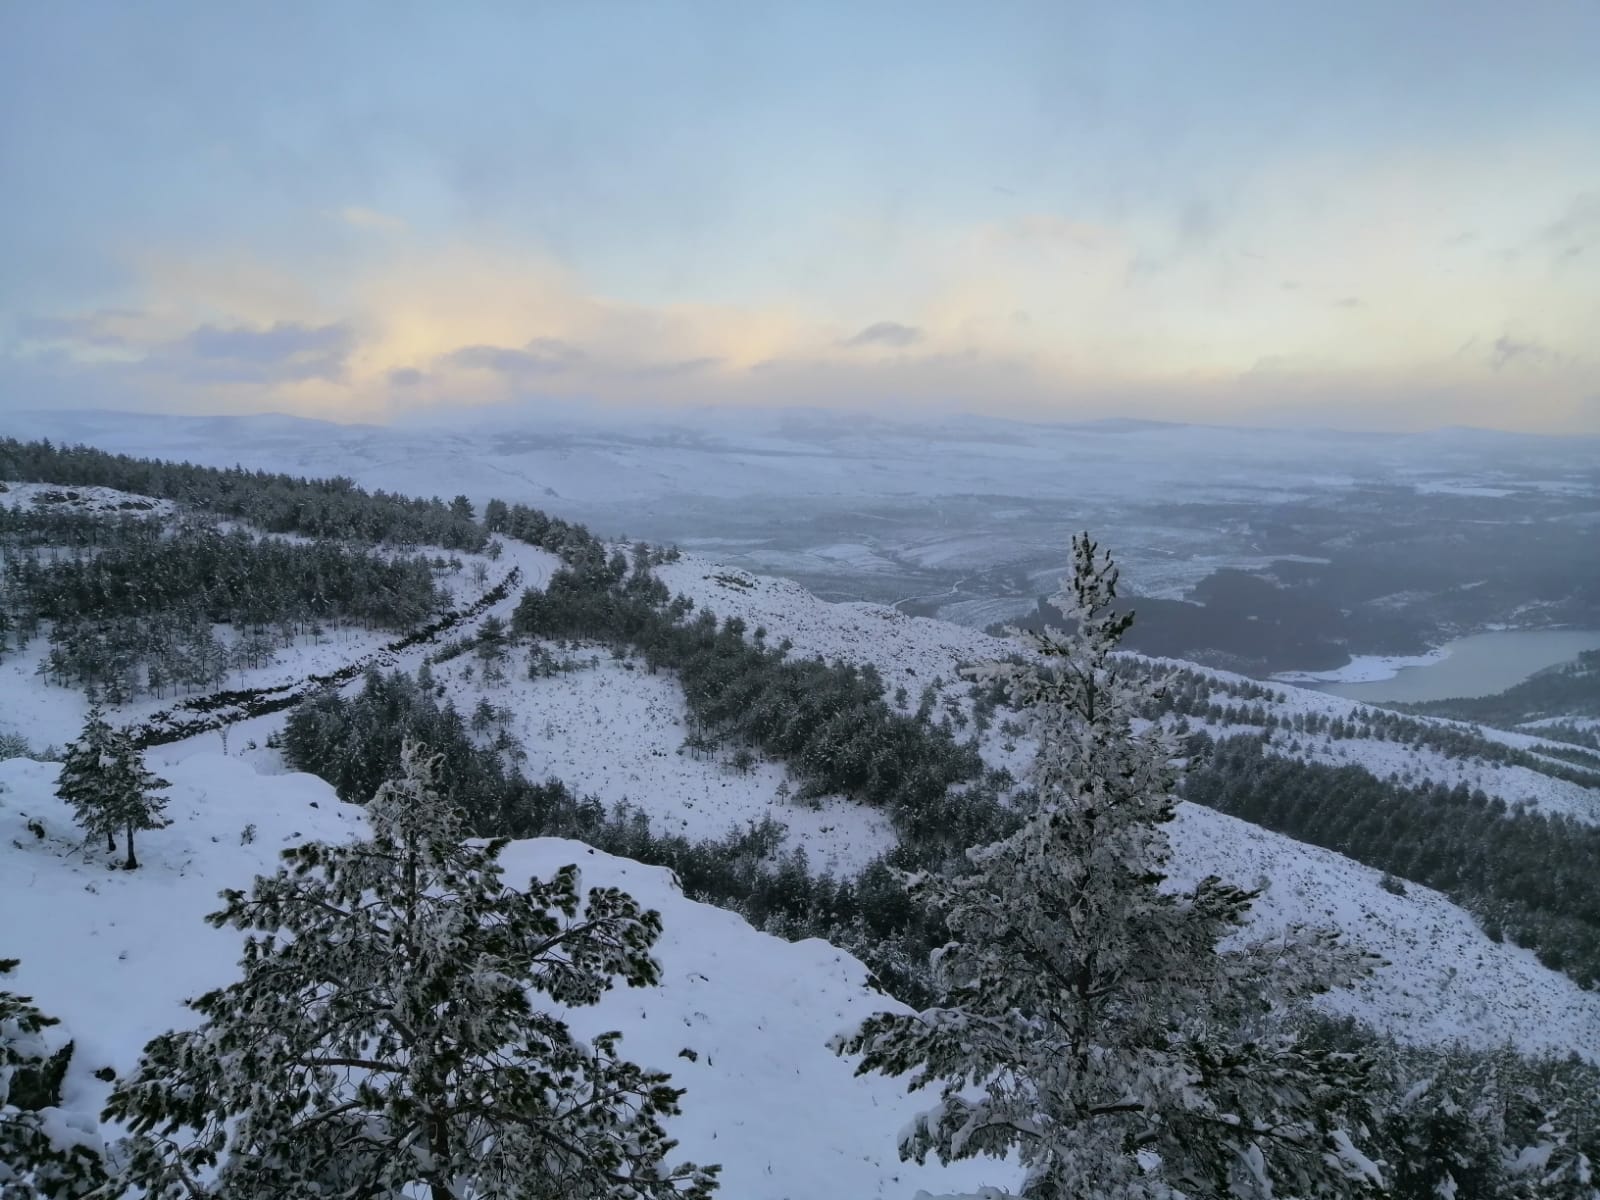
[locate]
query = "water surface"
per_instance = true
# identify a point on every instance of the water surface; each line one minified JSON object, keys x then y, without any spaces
{"x":1480,"y":665}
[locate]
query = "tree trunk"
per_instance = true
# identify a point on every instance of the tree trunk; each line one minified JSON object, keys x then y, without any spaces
{"x":133,"y":863}
{"x":111,"y":840}
{"x":439,"y":1148}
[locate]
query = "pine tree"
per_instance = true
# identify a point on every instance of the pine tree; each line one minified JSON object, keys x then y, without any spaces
{"x":36,"y":1159}
{"x":85,"y":778}
{"x":138,"y":803}
{"x":381,"y":1040}
{"x":110,"y":789}
{"x":1088,"y":1019}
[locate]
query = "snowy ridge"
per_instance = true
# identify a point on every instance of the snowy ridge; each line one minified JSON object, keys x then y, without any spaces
{"x":114,"y":954}
{"x":908,"y":651}
{"x":913,"y":651}
{"x":1445,"y":978}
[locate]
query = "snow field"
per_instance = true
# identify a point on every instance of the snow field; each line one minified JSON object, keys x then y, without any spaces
{"x":1444,"y":980}
{"x":616,"y":732}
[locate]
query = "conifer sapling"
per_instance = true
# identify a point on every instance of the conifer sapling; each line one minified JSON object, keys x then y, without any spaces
{"x":1093,"y":1020}
{"x":111,"y":791}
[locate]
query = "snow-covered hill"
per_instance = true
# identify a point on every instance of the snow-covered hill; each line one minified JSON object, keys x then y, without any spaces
{"x":115,"y":953}
{"x":617,"y":732}
{"x":52,"y":716}
{"x":1444,"y":980}
{"x":914,"y":652}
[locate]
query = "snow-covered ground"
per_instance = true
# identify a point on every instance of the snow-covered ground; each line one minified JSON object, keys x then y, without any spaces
{"x":614,"y":731}
{"x":115,"y":953}
{"x":93,"y":501}
{"x":1363,"y":668}
{"x":46,"y":715}
{"x":1444,"y":980}
{"x":53,"y":716}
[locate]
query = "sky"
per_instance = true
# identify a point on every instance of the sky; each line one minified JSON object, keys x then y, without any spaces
{"x":1359,"y":214}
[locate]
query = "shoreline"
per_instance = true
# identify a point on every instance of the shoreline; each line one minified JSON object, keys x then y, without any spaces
{"x":1365,"y":668}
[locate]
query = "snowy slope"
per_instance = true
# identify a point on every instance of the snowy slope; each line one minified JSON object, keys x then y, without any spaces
{"x":909,"y":651}
{"x":1444,"y":979}
{"x":46,"y":715}
{"x":113,"y":954}
{"x":914,"y":651}
{"x":613,"y":731}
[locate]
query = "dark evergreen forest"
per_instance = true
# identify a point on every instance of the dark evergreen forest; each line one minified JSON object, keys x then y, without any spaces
{"x":134,"y":608}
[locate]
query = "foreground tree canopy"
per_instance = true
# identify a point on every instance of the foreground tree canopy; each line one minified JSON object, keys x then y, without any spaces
{"x":42,"y":1151}
{"x":382,"y":1039}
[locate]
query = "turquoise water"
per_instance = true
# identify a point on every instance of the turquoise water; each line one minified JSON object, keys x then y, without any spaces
{"x":1480,"y":665}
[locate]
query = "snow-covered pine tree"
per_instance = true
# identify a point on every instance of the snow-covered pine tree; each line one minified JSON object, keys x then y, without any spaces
{"x":137,"y":803}
{"x":85,"y":778}
{"x":1091,"y":1020}
{"x":42,"y":1152}
{"x":382,"y":1043}
{"x":111,"y":791}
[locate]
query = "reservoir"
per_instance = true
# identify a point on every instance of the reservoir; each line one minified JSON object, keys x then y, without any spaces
{"x":1480,"y":665}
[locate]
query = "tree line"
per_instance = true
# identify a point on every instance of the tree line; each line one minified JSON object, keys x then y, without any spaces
{"x":830,"y":722}
{"x":1527,"y":875}
{"x":137,"y":612}
{"x":274,"y":502}
{"x":357,"y":742}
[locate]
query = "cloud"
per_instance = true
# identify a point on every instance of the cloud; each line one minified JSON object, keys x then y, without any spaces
{"x":885,"y":333}
{"x":541,"y":356}
{"x":405,"y":377}
{"x":285,"y":352}
{"x":1576,"y":229}
{"x":1509,"y":351}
